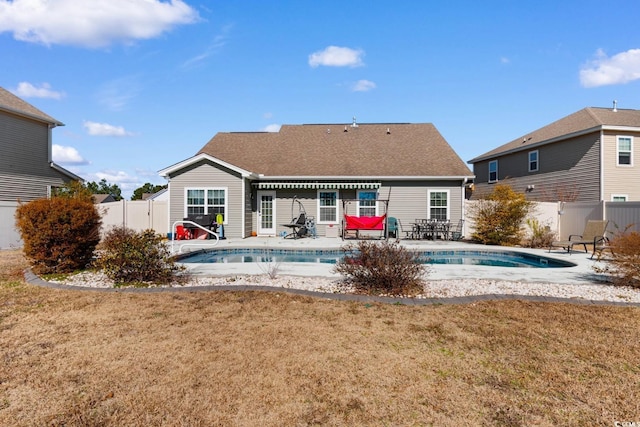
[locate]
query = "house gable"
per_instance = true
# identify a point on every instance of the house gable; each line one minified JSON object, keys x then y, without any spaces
{"x":569,"y":157}
{"x":26,"y":168}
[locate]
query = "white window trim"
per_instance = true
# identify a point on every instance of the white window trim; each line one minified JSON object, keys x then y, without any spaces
{"x":624,"y":196}
{"x":618,"y":151}
{"x":537,"y":160}
{"x":337,"y":221}
{"x":226,"y":200}
{"x":368,"y":191}
{"x":448,"y":207}
{"x":489,"y":180}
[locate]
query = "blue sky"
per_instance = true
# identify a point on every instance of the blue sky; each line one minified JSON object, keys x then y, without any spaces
{"x":143,"y":84}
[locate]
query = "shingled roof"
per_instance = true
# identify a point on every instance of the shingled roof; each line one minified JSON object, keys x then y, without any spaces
{"x":589,"y":119}
{"x":12,"y":104}
{"x":338,"y":150}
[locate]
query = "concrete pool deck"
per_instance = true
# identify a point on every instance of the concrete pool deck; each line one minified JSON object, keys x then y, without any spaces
{"x":582,"y":273}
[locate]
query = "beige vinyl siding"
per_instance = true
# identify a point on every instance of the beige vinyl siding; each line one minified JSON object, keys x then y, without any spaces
{"x":206,"y":175}
{"x":566,"y":170}
{"x":409,"y":200}
{"x":622,"y":180}
{"x":25,"y":171}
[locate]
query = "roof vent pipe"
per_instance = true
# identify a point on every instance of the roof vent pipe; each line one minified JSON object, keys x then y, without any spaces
{"x":345,"y":129}
{"x":354,"y":124}
{"x":615,"y":106}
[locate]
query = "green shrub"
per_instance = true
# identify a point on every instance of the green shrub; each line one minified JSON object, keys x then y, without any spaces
{"x":498,"y":218}
{"x":624,"y":262}
{"x":382,"y":268}
{"x":138,"y":258}
{"x":59,"y":234}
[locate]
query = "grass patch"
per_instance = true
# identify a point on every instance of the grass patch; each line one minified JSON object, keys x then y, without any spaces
{"x":272,"y":359}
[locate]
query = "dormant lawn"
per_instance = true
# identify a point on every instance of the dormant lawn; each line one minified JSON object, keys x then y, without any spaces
{"x":87,"y":358}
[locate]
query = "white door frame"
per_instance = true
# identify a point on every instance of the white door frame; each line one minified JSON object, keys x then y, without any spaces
{"x":265,"y":231}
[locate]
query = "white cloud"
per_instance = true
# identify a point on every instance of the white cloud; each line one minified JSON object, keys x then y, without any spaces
{"x":216,"y":45}
{"x":335,"y":56}
{"x":67,"y":155}
{"x":94,"y":23}
{"x":27,"y":90}
{"x":504,"y":60}
{"x":363,"y":86}
{"x":118,"y":93}
{"x":271,"y":128}
{"x":104,"y":129}
{"x":621,"y":68}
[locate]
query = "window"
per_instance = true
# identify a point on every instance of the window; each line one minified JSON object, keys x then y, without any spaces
{"x":367,"y":203}
{"x":493,"y":171}
{"x":625,"y":145}
{"x":439,"y":204}
{"x":327,"y":207}
{"x":533,"y":161}
{"x":619,"y":197}
{"x":206,"y":201}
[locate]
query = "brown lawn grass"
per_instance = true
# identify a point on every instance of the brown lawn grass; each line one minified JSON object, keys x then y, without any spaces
{"x":72,"y":358}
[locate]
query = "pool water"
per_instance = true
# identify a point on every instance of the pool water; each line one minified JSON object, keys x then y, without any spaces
{"x":462,"y":257}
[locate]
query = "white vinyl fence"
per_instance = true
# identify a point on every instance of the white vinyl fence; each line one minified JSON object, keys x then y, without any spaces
{"x":9,"y":236}
{"x":621,"y":215}
{"x":135,"y":214}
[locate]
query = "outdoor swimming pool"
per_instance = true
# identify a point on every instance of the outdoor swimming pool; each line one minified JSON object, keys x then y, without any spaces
{"x":492,"y":258}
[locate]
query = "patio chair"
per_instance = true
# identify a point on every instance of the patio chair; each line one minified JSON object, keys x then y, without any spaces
{"x":298,"y":226}
{"x":593,"y":233}
{"x":408,"y":234}
{"x":455,"y":233}
{"x":600,"y":247}
{"x":392,"y":227}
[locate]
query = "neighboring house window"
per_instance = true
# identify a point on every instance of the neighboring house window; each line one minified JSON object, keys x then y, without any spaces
{"x":619,"y":197}
{"x":367,"y":203}
{"x":533,"y":161}
{"x":625,"y":145}
{"x":327,"y":207}
{"x":493,"y":171}
{"x":206,"y":201}
{"x":439,"y":204}
{"x":52,"y":190}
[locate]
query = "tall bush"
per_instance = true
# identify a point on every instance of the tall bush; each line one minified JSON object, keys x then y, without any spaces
{"x":140,"y":258}
{"x":382,"y":268}
{"x":59,"y":234}
{"x":624,"y":262}
{"x":499,"y":217}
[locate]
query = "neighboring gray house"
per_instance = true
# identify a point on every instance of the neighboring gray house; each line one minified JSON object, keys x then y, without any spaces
{"x":590,"y":155}
{"x":27,"y":171}
{"x":252,"y":178}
